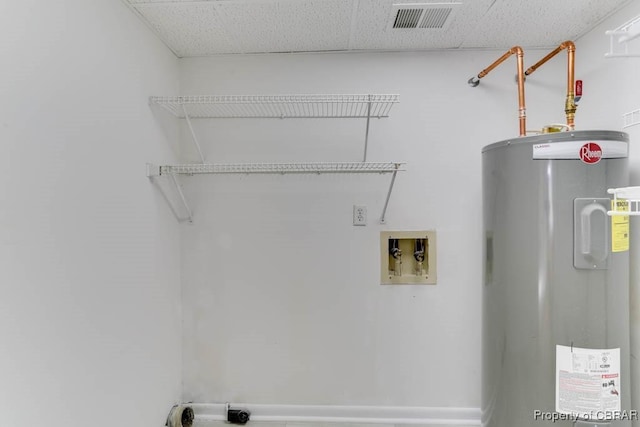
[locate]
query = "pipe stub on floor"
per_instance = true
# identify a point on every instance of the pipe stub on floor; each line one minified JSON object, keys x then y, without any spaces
{"x":180,"y":416}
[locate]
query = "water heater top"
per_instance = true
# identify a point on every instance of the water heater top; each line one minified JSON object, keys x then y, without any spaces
{"x":549,"y":138}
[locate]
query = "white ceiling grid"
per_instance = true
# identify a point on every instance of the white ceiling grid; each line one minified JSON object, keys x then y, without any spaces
{"x":210,"y":27}
{"x":188,"y":29}
{"x":538,"y":23}
{"x":286,"y":26}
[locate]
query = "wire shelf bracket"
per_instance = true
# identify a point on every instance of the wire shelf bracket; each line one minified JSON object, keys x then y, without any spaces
{"x":153,"y":172}
{"x":193,"y":133}
{"x":620,"y":37}
{"x":631,"y":195}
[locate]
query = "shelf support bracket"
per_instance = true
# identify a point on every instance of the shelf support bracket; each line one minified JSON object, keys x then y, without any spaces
{"x":386,"y":202}
{"x":154,"y":171}
{"x":182,"y":198}
{"x":193,"y":134}
{"x":366,"y":133}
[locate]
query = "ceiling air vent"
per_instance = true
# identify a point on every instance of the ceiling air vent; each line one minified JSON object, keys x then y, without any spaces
{"x":435,"y":16}
{"x":407,"y":18}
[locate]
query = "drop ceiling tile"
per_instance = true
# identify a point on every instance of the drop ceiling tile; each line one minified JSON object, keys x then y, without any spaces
{"x":372,"y":30}
{"x":288,"y":25}
{"x":188,"y":28}
{"x":210,"y":27}
{"x":537,"y":23}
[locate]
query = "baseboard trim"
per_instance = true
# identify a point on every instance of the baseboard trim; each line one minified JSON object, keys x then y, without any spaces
{"x":343,"y":414}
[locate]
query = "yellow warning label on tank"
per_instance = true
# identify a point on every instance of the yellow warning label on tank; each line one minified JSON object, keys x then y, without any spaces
{"x":620,"y":227}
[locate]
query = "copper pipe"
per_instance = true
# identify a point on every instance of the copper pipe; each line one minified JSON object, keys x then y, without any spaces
{"x":570,"y":104}
{"x":522,"y":111}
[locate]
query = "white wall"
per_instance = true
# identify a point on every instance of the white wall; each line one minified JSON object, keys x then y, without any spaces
{"x":89,"y":254}
{"x":283,"y":302}
{"x":282,"y":292}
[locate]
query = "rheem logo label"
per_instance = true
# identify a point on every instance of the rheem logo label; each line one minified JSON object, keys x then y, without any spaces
{"x":590,"y":153}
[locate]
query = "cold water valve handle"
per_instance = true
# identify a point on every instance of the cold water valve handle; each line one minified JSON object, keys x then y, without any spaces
{"x":396,"y":254}
{"x":418,"y":255}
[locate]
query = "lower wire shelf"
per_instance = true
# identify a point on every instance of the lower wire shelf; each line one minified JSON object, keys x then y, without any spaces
{"x":273,"y":168}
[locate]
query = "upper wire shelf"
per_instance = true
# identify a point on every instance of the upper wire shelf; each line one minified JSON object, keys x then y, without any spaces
{"x":276,"y":168}
{"x":629,"y":194}
{"x":278,"y":106}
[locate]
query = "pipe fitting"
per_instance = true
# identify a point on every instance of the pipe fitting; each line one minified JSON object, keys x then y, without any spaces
{"x":180,"y":416}
{"x":570,"y":106}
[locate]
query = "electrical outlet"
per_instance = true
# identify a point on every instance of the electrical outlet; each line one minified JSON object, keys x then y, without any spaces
{"x":359,"y":215}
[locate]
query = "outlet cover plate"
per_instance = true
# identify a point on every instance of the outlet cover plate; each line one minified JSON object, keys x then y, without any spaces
{"x":359,"y":215}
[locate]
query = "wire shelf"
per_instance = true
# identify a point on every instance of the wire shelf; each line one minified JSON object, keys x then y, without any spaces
{"x":280,"y":168}
{"x":278,"y":106}
{"x":620,"y":37}
{"x":631,"y":118}
{"x":632,"y":197}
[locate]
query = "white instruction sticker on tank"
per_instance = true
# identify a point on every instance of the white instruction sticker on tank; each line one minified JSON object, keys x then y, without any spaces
{"x":588,"y":382}
{"x":589,"y":152}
